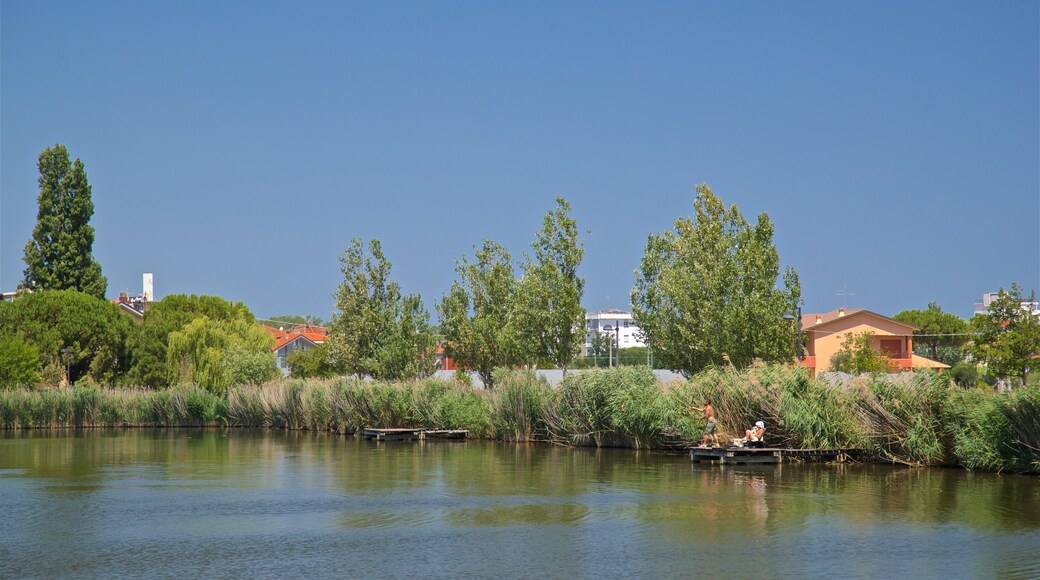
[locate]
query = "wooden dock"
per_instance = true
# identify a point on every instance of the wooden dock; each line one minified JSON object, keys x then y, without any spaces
{"x":412,"y":434}
{"x":770,"y":455}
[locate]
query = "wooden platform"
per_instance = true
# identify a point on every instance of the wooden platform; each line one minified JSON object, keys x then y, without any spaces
{"x":412,"y":434}
{"x":746,"y":455}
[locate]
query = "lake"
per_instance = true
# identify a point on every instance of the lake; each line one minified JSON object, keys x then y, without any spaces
{"x":264,"y":504}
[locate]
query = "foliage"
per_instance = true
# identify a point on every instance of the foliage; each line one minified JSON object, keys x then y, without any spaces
{"x":937,"y":329}
{"x":477,"y":314}
{"x":610,"y":408}
{"x":249,"y":366}
{"x":84,"y":406}
{"x":904,"y":420}
{"x":59,"y":256}
{"x":216,"y":354}
{"x":72,"y":330}
{"x":377,"y":331}
{"x":521,"y":404}
{"x":707,"y":292}
{"x":313,"y":363}
{"x":1008,"y":336}
{"x":19,"y":363}
{"x":996,"y":431}
{"x":915,"y":419}
{"x":549,"y":312}
{"x":601,"y":346}
{"x":965,"y":374}
{"x":857,"y":356}
{"x":290,"y":320}
{"x":169,"y":315}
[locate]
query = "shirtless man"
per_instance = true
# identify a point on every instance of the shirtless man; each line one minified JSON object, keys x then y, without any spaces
{"x":709,"y":426}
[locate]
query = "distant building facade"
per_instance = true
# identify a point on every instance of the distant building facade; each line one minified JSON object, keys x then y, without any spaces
{"x":617,"y":323}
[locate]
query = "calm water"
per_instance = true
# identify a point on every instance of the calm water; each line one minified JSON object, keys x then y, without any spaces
{"x":192,"y":503}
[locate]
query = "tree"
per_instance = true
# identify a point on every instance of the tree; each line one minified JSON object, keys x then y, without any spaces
{"x":291,"y":320}
{"x":477,"y":314}
{"x":1007,"y":337}
{"x":313,"y":363}
{"x":857,"y":356}
{"x":707,"y":291}
{"x":601,"y":346}
{"x":937,"y":329}
{"x":71,"y":331}
{"x":550,"y":317}
{"x":59,"y":256}
{"x":19,"y":363}
{"x":169,"y":315}
{"x":217,"y":354}
{"x":378,"y":332}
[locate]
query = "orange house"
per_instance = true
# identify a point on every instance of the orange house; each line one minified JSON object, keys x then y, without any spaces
{"x":825,"y":333}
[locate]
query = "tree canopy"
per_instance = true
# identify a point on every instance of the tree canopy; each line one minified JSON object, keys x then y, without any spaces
{"x":169,"y":315}
{"x":1007,"y":337}
{"x":937,"y":328}
{"x":377,"y":332}
{"x":290,"y":320}
{"x":477,"y":314}
{"x":216,"y":354}
{"x":59,"y":256}
{"x":708,"y":290}
{"x":550,"y":316}
{"x":71,"y":331}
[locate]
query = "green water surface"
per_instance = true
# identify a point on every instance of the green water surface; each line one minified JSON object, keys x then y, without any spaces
{"x":268,"y":504}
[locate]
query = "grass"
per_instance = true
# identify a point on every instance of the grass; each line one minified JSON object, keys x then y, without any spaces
{"x":920,"y":420}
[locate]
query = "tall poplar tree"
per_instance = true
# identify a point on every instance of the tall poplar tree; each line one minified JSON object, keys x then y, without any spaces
{"x":477,"y":314}
{"x":707,"y":292}
{"x":59,"y":256}
{"x":378,"y":332}
{"x":550,"y":315}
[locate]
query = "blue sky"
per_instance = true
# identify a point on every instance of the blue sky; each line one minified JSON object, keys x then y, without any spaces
{"x":236,"y":148}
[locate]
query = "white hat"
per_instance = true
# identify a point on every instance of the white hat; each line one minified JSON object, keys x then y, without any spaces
{"x":760,"y":424}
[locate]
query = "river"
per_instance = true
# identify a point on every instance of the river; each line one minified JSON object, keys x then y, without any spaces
{"x":267,"y":504}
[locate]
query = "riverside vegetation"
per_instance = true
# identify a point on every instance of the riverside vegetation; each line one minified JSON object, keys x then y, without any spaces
{"x":923,"y":420}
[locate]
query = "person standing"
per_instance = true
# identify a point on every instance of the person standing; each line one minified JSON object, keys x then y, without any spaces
{"x":710,"y":424}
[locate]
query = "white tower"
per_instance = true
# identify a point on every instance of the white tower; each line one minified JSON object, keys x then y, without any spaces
{"x":149,"y":289}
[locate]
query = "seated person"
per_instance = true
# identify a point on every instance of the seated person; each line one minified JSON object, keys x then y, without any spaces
{"x":755,"y":436}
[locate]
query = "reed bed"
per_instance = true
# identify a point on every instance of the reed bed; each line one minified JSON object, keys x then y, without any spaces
{"x":919,"y":420}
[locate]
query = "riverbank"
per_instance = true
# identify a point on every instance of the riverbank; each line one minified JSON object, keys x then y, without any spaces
{"x":922,"y":420}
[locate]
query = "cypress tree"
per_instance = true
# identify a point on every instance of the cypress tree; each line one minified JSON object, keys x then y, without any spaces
{"x":59,"y":256}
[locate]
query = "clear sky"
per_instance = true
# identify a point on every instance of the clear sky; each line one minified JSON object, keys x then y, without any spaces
{"x":234,"y":148}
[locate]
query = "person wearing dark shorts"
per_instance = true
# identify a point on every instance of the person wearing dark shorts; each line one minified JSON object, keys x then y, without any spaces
{"x":710,"y":424}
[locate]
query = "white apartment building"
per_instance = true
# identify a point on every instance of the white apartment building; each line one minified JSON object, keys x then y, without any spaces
{"x":617,"y":323}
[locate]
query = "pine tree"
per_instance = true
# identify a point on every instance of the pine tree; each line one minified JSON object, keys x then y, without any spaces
{"x":60,"y":254}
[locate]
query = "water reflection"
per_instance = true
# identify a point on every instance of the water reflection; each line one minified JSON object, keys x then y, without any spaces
{"x":130,"y":502}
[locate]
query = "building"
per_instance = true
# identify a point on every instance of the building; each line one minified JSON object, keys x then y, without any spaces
{"x":617,"y":323}
{"x":825,"y":333}
{"x":299,"y":337}
{"x":135,"y":306}
{"x":982,"y":306}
